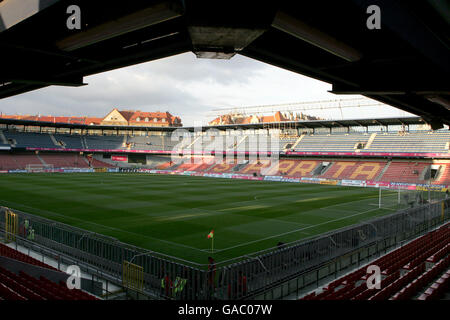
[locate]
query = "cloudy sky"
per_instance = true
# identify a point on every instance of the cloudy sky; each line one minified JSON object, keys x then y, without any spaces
{"x":187,"y":87}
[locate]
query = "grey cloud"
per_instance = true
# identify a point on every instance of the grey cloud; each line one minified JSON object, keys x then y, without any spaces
{"x":182,"y":84}
{"x":158,"y":85}
{"x":186,"y":67}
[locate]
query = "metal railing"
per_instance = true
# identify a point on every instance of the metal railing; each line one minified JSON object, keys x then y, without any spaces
{"x":248,"y":276}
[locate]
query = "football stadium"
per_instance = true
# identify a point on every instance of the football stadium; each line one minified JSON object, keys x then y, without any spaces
{"x":138,"y":206}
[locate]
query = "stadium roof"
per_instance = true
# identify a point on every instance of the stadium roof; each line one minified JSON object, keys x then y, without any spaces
{"x":404,"y":63}
{"x":312,"y":124}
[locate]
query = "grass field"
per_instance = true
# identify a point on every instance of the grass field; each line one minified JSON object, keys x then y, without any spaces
{"x":174,"y":214}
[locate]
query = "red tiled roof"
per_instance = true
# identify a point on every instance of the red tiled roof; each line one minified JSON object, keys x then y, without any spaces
{"x":77,"y":120}
{"x":240,"y":119}
{"x":129,"y":115}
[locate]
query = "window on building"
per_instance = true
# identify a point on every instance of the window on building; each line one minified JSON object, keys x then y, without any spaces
{"x":155,"y":120}
{"x":138,"y":119}
{"x":146,"y":119}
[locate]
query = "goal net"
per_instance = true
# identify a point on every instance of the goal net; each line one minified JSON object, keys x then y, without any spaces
{"x":39,"y":167}
{"x":408,"y":198}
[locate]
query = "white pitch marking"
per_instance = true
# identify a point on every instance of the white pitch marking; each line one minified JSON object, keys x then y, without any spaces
{"x":101,"y":225}
{"x":293,"y":231}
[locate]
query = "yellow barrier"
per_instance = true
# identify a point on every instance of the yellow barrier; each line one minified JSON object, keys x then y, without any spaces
{"x":132,"y":276}
{"x":329,"y":182}
{"x":430,"y":188}
{"x":11,"y":225}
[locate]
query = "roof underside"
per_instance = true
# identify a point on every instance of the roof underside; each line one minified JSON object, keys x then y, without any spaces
{"x":404,"y":64}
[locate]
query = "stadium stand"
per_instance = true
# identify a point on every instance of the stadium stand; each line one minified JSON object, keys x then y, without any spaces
{"x":288,"y":142}
{"x":22,"y":286}
{"x":335,"y":142}
{"x":406,"y":271}
{"x":196,"y":164}
{"x":27,"y":139}
{"x":259,"y":142}
{"x":405,"y":142}
{"x":405,"y":171}
{"x":142,"y":143}
{"x":7,"y":162}
{"x":60,"y":160}
{"x":329,"y":168}
{"x":418,"y":142}
{"x":152,"y":142}
{"x":104,"y":142}
{"x":209,"y":143}
{"x":355,"y":169}
{"x":151,"y":161}
{"x":438,"y":288}
{"x":254,"y":166}
{"x":444,"y":178}
{"x":6,"y":251}
{"x":18,"y":161}
{"x":155,"y":161}
{"x":401,"y":171}
{"x":65,"y":160}
{"x":417,"y":270}
{"x":164,"y":165}
{"x":69,"y":141}
{"x":100,"y":164}
{"x":23,"y":160}
{"x":222,"y":167}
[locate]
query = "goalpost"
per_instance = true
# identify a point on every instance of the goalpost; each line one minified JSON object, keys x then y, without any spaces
{"x":389,"y":197}
{"x":32,"y":167}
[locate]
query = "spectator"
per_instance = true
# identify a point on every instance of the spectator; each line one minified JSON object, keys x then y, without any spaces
{"x":280,"y":245}
{"x":211,"y":273}
{"x":242,"y":284}
{"x":238,"y":289}
{"x":166,"y":285}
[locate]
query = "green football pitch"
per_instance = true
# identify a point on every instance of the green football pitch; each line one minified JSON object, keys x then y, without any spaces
{"x":174,"y":214}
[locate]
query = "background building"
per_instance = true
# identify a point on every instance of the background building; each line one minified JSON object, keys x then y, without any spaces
{"x":115,"y":117}
{"x":239,"y":118}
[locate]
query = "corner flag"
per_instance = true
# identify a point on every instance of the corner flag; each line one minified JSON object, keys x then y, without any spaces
{"x":211,"y":236}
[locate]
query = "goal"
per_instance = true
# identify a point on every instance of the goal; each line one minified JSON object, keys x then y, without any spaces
{"x":39,"y":167}
{"x":404,"y":198}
